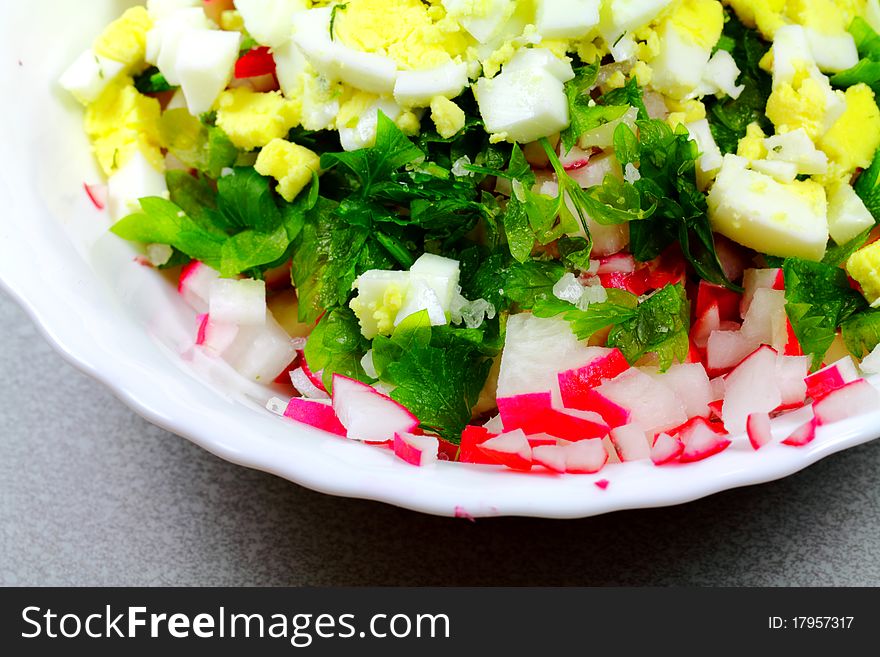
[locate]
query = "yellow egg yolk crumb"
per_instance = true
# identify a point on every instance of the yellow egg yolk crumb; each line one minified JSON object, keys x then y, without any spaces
{"x":252,"y":119}
{"x":290,"y":164}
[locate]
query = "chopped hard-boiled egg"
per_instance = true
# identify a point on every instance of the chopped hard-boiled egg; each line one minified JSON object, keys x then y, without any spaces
{"x":483,"y":19}
{"x":864,"y":267}
{"x":252,"y":119}
{"x":567,"y":19}
{"x":855,"y":136}
{"x":710,"y":155}
{"x":136,"y":179}
{"x":205,"y":62}
{"x":270,"y":22}
{"x":797,"y":148}
{"x":847,"y":214}
{"x":418,"y":88}
{"x":292,"y":165}
{"x":89,"y":75}
{"x":755,"y":210}
{"x":125,"y":39}
{"x":167,"y":35}
{"x":448,"y":117}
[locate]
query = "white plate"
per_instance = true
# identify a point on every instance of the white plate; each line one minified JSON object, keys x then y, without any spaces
{"x":123,"y":324}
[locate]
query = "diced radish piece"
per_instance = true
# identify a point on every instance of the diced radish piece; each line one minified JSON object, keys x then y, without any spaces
{"x":494,"y":425}
{"x":612,"y":452}
{"x":666,"y":269}
{"x":619,"y":262}
{"x":717,"y":388}
{"x":535,"y":351}
{"x":215,"y":337}
{"x":254,"y":63}
{"x":602,"y":484}
{"x":97,"y":195}
{"x":314,"y":377}
{"x":575,"y":159}
{"x":690,"y":383}
{"x":304,"y":385}
{"x":260,"y":353}
{"x":701,"y":440}
{"x":533,"y":413}
{"x":612,"y":414}
{"x":790,"y":373}
{"x":758,"y":428}
{"x":751,"y":387}
{"x":585,"y":457}
{"x":367,"y":414}
{"x":241,"y":302}
{"x":831,"y":378}
{"x":733,"y":257}
{"x":551,"y":457}
{"x":666,"y":449}
{"x":803,"y":435}
{"x":792,"y":344}
{"x":471,"y":438}
{"x":446,"y":451}
{"x":510,"y":449}
{"x":633,"y":282}
{"x":195,"y":284}
{"x":854,"y":398}
{"x":727,"y":302}
{"x":416,"y":450}
{"x":755,"y":279}
{"x":318,"y":414}
{"x":631,"y":443}
{"x":715,"y":408}
{"x":766,"y":321}
{"x":538,"y":440}
{"x":573,"y":384}
{"x":705,"y":324}
{"x":652,"y":404}
{"x":726,"y":349}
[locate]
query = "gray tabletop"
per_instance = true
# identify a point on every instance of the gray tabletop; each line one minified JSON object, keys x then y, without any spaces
{"x":91,"y":494}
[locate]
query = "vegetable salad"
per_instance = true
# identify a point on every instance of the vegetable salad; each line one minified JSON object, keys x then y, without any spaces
{"x":480,"y":229}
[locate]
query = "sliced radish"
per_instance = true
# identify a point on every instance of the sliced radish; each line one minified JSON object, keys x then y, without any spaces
{"x":631,"y":443}
{"x":538,"y":440}
{"x":585,"y":457}
{"x":494,"y":425}
{"x":447,"y":451}
{"x":367,"y":414}
{"x":766,"y":321}
{"x":691,"y":384}
{"x":707,"y":322}
{"x":831,"y":378}
{"x":471,"y":438}
{"x":313,"y":377}
{"x":261,"y":353}
{"x":727,"y":302}
{"x":790,"y":374}
{"x":854,"y":398}
{"x":666,"y":449}
{"x":726,"y":349}
{"x":803,"y":435}
{"x":318,"y":414}
{"x":304,"y":385}
{"x":97,"y":195}
{"x":195,"y":284}
{"x":416,"y":450}
{"x":534,"y":413}
{"x":617,"y":263}
{"x":652,"y":404}
{"x":574,"y":383}
{"x":213,"y":336}
{"x":715,"y":409}
{"x":241,"y":302}
{"x":535,"y":351}
{"x":612,"y":414}
{"x":510,"y":449}
{"x":758,"y":428}
{"x":752,"y":387}
{"x":755,"y":279}
{"x":255,"y":63}
{"x":701,"y":440}
{"x":551,"y":457}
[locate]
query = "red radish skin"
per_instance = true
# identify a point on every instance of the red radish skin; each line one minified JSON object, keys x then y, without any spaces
{"x":416,"y":450}
{"x":758,"y":428}
{"x":633,"y":282}
{"x":313,"y":377}
{"x":715,"y":408}
{"x":792,"y":345}
{"x":666,"y":449}
{"x":471,"y":438}
{"x":727,"y":302}
{"x":540,"y":441}
{"x":534,"y":413}
{"x":203,"y":325}
{"x":97,"y":195}
{"x":255,"y":63}
{"x":459,"y":512}
{"x":314,"y":413}
{"x":701,"y":443}
{"x":447,"y":451}
{"x":510,"y":449}
{"x":601,"y":484}
{"x":631,"y":443}
{"x":618,"y":263}
{"x":613,"y":414}
{"x":367,"y":414}
{"x":803,"y":435}
{"x":854,"y":398}
{"x":195,"y":283}
{"x":585,"y":457}
{"x":830,"y":378}
{"x":575,"y":383}
{"x":706,"y":322}
{"x":755,"y":279}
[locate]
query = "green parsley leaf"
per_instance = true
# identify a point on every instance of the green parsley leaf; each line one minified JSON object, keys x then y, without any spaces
{"x":585,"y":113}
{"x":818,"y":300}
{"x":839,"y":253}
{"x":621,"y":307}
{"x":525,"y":283}
{"x":868,"y":187}
{"x":336,"y":346}
{"x":196,"y":144}
{"x":630,"y":95}
{"x":660,"y":326}
{"x":151,"y":81}
{"x":245,"y":200}
{"x":861,"y":332}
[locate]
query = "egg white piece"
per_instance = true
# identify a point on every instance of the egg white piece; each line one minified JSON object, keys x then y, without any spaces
{"x":847,"y":214}
{"x":791,"y":52}
{"x":719,"y":77}
{"x":363,"y":133}
{"x":710,"y":155}
{"x":797,"y":148}
{"x":89,"y":75}
{"x":205,"y":63}
{"x":530,"y":58}
{"x":135,"y":180}
{"x":757,"y":211}
{"x":290,"y":64}
{"x":167,"y":35}
{"x":620,"y":16}
{"x":158,"y":9}
{"x":523,"y":105}
{"x":270,"y":22}
{"x":567,"y":19}
{"x":784,"y":172}
{"x":417,"y":88}
{"x":832,"y":52}
{"x":679,"y":66}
